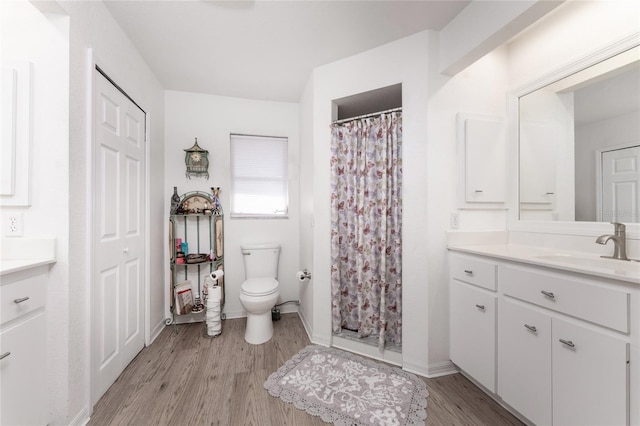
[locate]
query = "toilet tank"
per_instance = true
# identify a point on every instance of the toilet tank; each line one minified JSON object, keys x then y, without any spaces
{"x":260,"y":260}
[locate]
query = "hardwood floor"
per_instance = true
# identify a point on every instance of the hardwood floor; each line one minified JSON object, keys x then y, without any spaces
{"x":189,"y":379}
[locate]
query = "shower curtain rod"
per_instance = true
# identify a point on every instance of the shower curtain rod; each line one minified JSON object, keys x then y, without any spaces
{"x":367,"y":115}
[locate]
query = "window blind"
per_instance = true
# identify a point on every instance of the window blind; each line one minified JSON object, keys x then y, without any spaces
{"x":259,"y":176}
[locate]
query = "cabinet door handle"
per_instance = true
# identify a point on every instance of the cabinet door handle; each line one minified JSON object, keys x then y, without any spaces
{"x":549,"y":294}
{"x":20,"y":300}
{"x":468,"y":272}
{"x":4,"y":355}
{"x":568,"y":343}
{"x":531,"y":327}
{"x":481,"y":307}
{"x":478,"y":190}
{"x":549,"y":193}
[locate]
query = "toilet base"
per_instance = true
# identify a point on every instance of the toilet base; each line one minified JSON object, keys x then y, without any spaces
{"x":259,"y":328}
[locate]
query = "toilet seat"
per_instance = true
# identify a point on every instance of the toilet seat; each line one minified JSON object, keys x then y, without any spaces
{"x":259,"y":286}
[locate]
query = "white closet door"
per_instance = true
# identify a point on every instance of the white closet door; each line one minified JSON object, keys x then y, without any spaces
{"x":621,"y":185}
{"x":118,"y":279}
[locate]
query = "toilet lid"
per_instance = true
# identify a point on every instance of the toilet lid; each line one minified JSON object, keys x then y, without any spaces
{"x":259,"y":286}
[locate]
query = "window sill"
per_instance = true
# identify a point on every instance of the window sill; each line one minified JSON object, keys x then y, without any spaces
{"x":258,"y":216}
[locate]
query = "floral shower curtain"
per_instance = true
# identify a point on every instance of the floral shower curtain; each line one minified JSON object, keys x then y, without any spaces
{"x":366,"y":219}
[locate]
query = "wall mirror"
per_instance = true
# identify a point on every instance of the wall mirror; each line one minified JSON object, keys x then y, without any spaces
{"x":579,"y":145}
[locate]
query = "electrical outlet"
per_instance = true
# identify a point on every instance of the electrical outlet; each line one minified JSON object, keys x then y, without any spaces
{"x":12,"y":224}
{"x":454,"y":220}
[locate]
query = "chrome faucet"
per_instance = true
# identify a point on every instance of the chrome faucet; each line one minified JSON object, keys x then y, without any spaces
{"x":619,"y":241}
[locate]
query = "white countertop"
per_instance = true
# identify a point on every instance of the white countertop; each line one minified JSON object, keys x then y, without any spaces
{"x":11,"y":266}
{"x":19,"y":254}
{"x":583,"y":263}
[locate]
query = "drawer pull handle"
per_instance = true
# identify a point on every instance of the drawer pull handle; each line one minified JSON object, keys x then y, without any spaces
{"x":550,"y":193}
{"x":548,"y":294}
{"x":479,"y":190}
{"x":481,"y":307}
{"x":4,"y":355}
{"x":22,"y":299}
{"x":531,"y":328}
{"x":468,"y":272}
{"x":568,"y":343}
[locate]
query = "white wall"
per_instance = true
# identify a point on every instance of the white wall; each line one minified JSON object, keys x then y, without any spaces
{"x":590,"y":137}
{"x":211,"y":119}
{"x":47,"y":48}
{"x":479,"y":89}
{"x":404,"y":61}
{"x":93,"y":27}
{"x":430,"y":104}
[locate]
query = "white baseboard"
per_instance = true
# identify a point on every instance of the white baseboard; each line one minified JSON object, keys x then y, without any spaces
{"x":289,"y":308}
{"x":234,"y":314}
{"x":320,"y":341}
{"x":305,"y":324}
{"x":432,"y":370}
{"x":155,"y":332}
{"x":441,"y":369}
{"x":420,"y":370}
{"x":497,"y":399}
{"x":82,"y":418}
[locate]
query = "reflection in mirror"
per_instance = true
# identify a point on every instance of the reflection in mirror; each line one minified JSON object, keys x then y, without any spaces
{"x":580,"y":145}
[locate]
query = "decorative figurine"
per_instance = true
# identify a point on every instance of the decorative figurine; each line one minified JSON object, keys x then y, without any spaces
{"x":198,"y":305}
{"x":217,"y":207}
{"x":175,"y":201}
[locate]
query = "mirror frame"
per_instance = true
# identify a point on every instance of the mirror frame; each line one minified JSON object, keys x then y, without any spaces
{"x":556,"y":227}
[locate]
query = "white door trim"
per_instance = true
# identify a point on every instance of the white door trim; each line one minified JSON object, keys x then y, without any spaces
{"x":93,"y":63}
{"x":599,"y":153}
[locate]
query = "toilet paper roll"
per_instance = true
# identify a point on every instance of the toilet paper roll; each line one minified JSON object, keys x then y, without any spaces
{"x":215,"y":295}
{"x":301,"y":276}
{"x":217,"y":274}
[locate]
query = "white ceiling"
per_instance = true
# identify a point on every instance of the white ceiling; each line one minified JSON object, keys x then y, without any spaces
{"x":265,"y":49}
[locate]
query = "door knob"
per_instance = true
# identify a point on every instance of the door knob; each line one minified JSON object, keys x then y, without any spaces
{"x":125,"y":250}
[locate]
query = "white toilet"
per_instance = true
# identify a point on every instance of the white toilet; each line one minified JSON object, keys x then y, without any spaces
{"x":260,"y":290}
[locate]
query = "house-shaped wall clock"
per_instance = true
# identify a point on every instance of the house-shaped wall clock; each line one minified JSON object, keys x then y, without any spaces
{"x":197,"y":161}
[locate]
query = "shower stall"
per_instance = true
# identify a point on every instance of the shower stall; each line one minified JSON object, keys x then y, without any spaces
{"x":366,"y":229}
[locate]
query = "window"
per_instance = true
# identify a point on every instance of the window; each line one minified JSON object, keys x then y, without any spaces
{"x":259,"y":176}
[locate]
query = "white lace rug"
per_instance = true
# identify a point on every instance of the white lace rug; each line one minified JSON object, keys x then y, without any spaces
{"x":346,"y":389}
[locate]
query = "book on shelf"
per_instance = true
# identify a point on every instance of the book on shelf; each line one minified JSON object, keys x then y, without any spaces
{"x":184,"y":297}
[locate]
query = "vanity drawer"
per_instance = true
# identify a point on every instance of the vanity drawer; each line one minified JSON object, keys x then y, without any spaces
{"x":22,"y":296}
{"x":473,"y":270}
{"x":575,"y":297}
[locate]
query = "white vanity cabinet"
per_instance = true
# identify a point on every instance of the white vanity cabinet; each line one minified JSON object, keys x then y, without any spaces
{"x":590,"y":373}
{"x":577,"y":346}
{"x":472,"y":318}
{"x":567,"y":344}
{"x":23,"y":395}
{"x":524,"y":351}
{"x":557,"y":372}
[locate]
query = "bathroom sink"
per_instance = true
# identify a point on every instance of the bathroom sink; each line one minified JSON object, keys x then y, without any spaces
{"x":590,"y":262}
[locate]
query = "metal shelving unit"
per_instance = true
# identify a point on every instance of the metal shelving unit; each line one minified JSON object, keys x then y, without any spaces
{"x":196,"y":239}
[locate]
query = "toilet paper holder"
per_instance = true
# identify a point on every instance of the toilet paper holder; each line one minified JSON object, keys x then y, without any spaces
{"x":303,"y":275}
